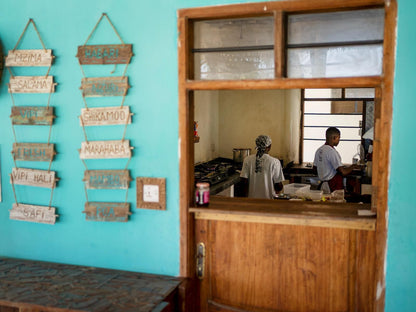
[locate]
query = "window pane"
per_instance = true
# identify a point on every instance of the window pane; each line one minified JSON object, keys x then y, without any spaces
{"x":318,"y":107}
{"x":234,"y":65}
{"x":363,"y":93}
{"x":332,"y":120}
{"x":234,"y":32}
{"x":322,"y":93}
{"x":347,"y":61}
{"x":319,"y":133}
{"x":336,"y":26}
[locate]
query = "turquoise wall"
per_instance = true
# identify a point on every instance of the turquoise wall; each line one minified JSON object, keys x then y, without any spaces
{"x":149,"y":242}
{"x":401,"y":242}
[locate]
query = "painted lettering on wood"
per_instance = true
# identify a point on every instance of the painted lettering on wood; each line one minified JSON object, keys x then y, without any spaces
{"x":107,"y":211}
{"x":104,"y":86}
{"x":31,"y":84}
{"x":107,"y":179}
{"x":105,"y":149}
{"x":32,"y":213}
{"x":104,"y":54}
{"x":32,"y":115}
{"x":33,"y":177}
{"x":29,"y":58}
{"x":105,"y":116}
{"x":33,"y":151}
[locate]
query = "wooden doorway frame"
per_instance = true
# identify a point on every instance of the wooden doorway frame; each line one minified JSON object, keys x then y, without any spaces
{"x":383,"y":118}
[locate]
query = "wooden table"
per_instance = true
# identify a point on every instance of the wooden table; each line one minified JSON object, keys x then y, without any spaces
{"x":41,"y":286}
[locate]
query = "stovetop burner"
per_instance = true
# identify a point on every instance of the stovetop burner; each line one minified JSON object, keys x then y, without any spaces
{"x":214,"y":171}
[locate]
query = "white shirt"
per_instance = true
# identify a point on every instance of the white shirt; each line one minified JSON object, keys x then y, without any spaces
{"x":327,"y":160}
{"x":261,"y":184}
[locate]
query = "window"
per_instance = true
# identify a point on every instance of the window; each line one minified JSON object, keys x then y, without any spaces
{"x":350,"y":110}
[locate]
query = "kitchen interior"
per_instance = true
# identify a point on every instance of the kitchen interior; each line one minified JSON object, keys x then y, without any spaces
{"x":228,"y":121}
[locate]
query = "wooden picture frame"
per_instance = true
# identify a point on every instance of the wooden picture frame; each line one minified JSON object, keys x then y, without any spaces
{"x":151,"y":193}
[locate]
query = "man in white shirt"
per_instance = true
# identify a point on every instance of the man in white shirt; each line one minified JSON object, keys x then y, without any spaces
{"x":261,"y":172}
{"x":328,"y":165}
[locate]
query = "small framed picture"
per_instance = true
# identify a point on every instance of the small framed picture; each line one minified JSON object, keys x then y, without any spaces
{"x":151,"y":193}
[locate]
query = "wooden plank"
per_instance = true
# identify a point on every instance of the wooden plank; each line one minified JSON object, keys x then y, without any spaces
{"x":107,"y":179}
{"x":33,"y":213}
{"x":315,"y":221}
{"x":33,"y":177}
{"x":32,"y":115}
{"x":105,"y":116}
{"x":107,"y":211}
{"x":105,"y":149}
{"x":29,"y":58}
{"x":104,"y":86}
{"x":31,"y":84}
{"x":104,"y":54}
{"x":33,"y":151}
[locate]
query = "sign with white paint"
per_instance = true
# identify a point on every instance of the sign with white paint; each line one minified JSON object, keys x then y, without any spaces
{"x":33,"y":177}
{"x":105,"y":149}
{"x":104,"y":116}
{"x":107,"y":211}
{"x":104,"y":54}
{"x":32,"y":213}
{"x":29,"y":58}
{"x":104,"y":86}
{"x":32,"y":115}
{"x":107,"y":179}
{"x":33,"y":151}
{"x":31,"y":84}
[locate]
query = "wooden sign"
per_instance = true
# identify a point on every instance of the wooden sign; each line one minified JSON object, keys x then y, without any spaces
{"x":31,"y":84}
{"x":102,"y":211}
{"x":105,"y":149}
{"x":104,"y":54}
{"x":33,"y":151}
{"x":32,"y":115}
{"x":151,"y":193}
{"x":33,"y":177}
{"x":29,"y":58}
{"x":104,"y":86}
{"x":107,"y":179}
{"x":105,"y":116}
{"x":32,"y":213}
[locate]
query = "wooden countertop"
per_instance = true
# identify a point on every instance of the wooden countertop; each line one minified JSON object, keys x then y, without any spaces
{"x":324,"y":214}
{"x":42,"y":286}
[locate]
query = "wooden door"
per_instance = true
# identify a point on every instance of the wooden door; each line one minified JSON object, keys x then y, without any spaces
{"x":270,"y":267}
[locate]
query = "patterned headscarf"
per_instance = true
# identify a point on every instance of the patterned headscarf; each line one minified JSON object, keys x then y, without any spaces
{"x":262,"y":142}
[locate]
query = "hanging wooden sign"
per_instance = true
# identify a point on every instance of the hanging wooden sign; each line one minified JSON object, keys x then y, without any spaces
{"x":33,"y":177}
{"x":107,"y":179}
{"x":32,"y":115}
{"x":32,"y":213}
{"x":104,"y":86}
{"x":29,"y":58}
{"x":107,"y":211}
{"x":33,"y":151}
{"x":105,"y":149}
{"x":104,"y":54}
{"x":105,"y":116}
{"x":31,"y":84}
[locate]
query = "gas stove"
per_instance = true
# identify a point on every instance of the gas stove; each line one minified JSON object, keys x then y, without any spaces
{"x":214,"y":171}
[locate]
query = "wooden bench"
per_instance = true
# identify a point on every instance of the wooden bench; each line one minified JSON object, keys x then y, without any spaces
{"x":34,"y":286}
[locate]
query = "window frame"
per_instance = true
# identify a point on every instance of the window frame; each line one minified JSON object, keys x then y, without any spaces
{"x":383,"y":99}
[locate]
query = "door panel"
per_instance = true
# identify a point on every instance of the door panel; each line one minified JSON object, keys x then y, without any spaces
{"x":268,"y":267}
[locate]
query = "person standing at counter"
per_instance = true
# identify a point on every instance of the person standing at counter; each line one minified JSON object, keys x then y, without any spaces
{"x":328,"y":165}
{"x":262,"y":174}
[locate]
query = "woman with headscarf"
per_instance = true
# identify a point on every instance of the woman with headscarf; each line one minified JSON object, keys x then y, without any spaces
{"x":262,"y":172}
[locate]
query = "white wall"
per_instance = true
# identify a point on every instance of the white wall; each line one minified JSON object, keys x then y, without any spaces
{"x":206,"y":114}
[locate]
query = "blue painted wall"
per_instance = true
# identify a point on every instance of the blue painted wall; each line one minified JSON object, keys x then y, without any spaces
{"x":149,"y":242}
{"x":401,"y":242}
